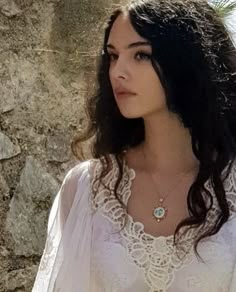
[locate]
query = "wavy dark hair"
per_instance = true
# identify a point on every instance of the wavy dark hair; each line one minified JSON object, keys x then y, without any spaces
{"x":196,"y":61}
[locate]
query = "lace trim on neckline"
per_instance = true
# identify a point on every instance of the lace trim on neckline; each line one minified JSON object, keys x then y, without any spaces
{"x":156,"y":256}
{"x":137,"y":224}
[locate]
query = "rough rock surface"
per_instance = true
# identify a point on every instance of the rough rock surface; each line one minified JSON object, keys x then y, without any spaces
{"x":28,"y":210}
{"x":48,"y":53}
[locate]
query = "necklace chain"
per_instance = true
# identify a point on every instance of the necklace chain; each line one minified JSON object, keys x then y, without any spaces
{"x":160,"y":211}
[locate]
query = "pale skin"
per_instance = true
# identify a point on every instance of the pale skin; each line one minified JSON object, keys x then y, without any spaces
{"x":170,"y":160}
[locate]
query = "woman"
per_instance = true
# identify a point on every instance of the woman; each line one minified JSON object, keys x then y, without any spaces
{"x":155,"y":209}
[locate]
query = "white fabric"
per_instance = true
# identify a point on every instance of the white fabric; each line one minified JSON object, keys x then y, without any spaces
{"x":87,"y":252}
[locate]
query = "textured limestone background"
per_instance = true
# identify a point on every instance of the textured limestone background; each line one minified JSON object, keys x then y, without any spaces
{"x":48,"y":51}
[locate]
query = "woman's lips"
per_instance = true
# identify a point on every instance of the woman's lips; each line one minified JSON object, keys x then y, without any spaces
{"x":124,"y":94}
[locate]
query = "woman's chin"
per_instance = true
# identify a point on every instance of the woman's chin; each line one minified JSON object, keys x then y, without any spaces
{"x":130,"y":114}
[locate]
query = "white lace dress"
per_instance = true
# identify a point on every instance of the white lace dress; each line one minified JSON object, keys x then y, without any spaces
{"x":86,"y":250}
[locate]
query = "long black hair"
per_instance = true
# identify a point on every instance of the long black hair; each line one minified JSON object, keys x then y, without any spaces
{"x":197,"y":67}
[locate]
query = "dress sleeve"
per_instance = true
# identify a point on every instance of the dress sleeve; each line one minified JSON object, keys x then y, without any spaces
{"x":233,"y":283}
{"x":68,"y":240}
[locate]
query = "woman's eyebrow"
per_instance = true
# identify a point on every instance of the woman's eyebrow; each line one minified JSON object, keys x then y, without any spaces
{"x":132,"y":45}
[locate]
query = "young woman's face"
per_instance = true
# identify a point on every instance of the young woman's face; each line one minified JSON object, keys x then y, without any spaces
{"x":131,"y":70}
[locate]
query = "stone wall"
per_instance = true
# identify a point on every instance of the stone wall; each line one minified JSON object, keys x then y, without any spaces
{"x":47,"y":60}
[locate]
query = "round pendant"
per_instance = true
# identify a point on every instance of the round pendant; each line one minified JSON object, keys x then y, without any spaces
{"x":159,"y":213}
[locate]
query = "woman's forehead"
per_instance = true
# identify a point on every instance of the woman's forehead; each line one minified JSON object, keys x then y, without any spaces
{"x":123,"y":35}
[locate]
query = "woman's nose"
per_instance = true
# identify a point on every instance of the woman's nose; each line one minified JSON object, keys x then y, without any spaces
{"x":119,"y":70}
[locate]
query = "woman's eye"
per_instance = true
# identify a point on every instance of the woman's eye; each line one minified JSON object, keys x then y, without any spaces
{"x":138,"y":56}
{"x":112,"y":57}
{"x":142,"y":56}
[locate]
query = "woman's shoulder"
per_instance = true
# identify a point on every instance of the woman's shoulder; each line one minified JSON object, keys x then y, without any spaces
{"x":75,"y":186}
{"x":80,"y":171}
{"x":76,"y":179}
{"x":93,"y":170}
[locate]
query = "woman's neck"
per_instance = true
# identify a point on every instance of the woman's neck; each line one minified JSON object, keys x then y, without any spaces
{"x":168,"y":145}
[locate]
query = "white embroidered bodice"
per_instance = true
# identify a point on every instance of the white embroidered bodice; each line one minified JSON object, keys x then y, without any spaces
{"x":86,"y":250}
{"x":132,"y":260}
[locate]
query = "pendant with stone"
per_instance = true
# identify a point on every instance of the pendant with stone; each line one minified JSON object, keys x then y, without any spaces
{"x":160,"y":212}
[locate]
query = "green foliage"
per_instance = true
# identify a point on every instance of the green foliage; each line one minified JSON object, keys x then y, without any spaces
{"x":224,"y":8}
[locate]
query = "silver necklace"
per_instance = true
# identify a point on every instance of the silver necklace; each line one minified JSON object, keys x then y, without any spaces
{"x":160,"y":211}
